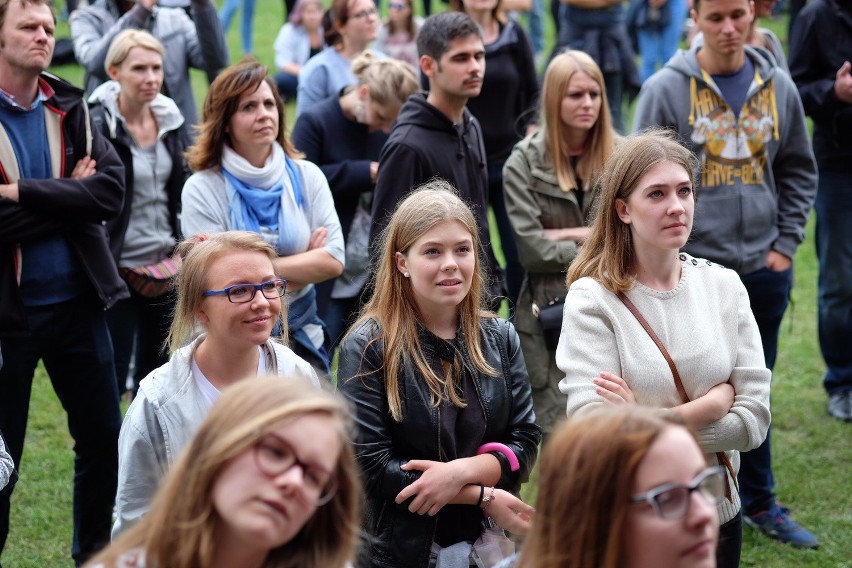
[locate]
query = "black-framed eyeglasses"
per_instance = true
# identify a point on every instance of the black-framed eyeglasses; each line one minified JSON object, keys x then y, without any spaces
{"x":242,"y":293}
{"x":274,"y":456}
{"x":671,"y":501}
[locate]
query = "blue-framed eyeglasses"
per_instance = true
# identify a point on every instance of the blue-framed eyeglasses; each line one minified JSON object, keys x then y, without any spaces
{"x":671,"y":501}
{"x":242,"y":293}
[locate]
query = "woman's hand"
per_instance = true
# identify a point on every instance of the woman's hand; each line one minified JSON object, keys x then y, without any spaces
{"x":319,"y":238}
{"x":709,"y":408}
{"x":722,"y":395}
{"x":613,"y":389}
{"x":510,"y":513}
{"x":440,"y":482}
{"x":576,"y":234}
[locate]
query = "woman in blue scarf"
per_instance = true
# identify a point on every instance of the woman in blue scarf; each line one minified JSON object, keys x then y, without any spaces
{"x":249,"y":177}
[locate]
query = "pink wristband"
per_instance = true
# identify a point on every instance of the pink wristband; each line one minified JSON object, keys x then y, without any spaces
{"x":514,"y":465}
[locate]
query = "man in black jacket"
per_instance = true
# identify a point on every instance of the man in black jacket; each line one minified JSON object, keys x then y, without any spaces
{"x":435,"y":135}
{"x":59,"y":182}
{"x":820,"y":55}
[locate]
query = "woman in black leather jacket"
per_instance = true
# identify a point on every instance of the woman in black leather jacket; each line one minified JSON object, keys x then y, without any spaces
{"x":432,"y":378}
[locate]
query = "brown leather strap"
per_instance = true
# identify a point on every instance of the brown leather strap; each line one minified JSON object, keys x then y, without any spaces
{"x":721,"y":456}
{"x":644,"y":323}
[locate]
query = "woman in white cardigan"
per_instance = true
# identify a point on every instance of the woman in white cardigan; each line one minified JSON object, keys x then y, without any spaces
{"x":698,"y":310}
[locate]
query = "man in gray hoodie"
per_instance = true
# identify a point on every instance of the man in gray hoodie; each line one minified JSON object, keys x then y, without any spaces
{"x":197,"y":42}
{"x":742,"y":116}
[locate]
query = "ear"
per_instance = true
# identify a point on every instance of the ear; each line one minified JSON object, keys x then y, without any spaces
{"x":363,"y":92}
{"x":401,"y":262}
{"x":428,"y":65}
{"x":621,"y":211}
{"x":201,"y":316}
{"x":112,"y":72}
{"x":693,"y":14}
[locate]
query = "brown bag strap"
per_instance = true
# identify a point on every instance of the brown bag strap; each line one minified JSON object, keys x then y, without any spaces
{"x":721,"y":456}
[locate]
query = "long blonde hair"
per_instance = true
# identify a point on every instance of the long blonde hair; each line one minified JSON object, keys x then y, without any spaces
{"x":393,"y":306}
{"x":182,"y":527}
{"x":199,"y":253}
{"x":600,"y":141}
{"x":586,"y":475}
{"x":607,"y":256}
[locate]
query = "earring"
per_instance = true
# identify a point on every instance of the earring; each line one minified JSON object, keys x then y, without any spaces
{"x":406,"y":274}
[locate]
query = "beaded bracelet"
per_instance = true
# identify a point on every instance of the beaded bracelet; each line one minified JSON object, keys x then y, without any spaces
{"x":487,"y":500}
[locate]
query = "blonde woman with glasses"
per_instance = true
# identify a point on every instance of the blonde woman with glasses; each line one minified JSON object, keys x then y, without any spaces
{"x":228,"y":290}
{"x":268,"y":481}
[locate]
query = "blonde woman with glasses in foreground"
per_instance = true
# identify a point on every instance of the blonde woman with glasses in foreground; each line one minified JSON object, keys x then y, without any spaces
{"x":269,"y":480}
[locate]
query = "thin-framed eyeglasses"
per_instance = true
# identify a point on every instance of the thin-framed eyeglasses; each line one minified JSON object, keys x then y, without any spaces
{"x":671,"y":501}
{"x":274,"y":456}
{"x":242,"y":293}
{"x":364,"y":14}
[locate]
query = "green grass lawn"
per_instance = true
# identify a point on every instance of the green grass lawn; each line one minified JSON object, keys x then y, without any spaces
{"x":813,"y":454}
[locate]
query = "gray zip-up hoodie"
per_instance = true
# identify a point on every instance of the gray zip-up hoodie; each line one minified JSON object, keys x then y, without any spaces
{"x":758,"y":175}
{"x":162,"y":420}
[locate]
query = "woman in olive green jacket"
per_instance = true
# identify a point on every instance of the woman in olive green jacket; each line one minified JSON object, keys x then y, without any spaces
{"x":549,"y":183}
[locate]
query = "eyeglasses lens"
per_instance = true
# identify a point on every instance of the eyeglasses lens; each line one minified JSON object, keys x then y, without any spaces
{"x":274,"y":457}
{"x":674,"y":503}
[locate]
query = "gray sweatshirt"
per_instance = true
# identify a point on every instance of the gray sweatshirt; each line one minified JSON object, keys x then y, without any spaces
{"x":758,"y":175}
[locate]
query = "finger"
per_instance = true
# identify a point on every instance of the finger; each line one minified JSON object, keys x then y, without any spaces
{"x":609,"y":397}
{"x":403,"y":495}
{"x":844,"y":69}
{"x":417,"y":465}
{"x":614,"y":378}
{"x":609,"y":386}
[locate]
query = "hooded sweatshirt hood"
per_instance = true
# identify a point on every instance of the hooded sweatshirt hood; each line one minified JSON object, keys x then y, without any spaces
{"x":165,"y":110}
{"x":418,"y":113}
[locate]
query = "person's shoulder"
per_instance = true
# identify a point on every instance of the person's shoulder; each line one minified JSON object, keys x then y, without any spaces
{"x":711,"y":278}
{"x":707,"y":269}
{"x":588,"y":285}
{"x":64,"y":92}
{"x":309,"y":170}
{"x":291,"y":365}
{"x":204,"y":180}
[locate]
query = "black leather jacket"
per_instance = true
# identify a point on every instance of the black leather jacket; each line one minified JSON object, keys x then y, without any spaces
{"x":400,"y":538}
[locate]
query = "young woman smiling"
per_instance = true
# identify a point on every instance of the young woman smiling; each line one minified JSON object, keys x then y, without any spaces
{"x":227,"y":287}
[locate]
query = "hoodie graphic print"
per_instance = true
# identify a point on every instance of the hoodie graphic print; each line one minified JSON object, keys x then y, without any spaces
{"x":735,"y":148}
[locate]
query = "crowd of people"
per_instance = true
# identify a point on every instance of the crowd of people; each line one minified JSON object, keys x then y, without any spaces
{"x":307,"y":323}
